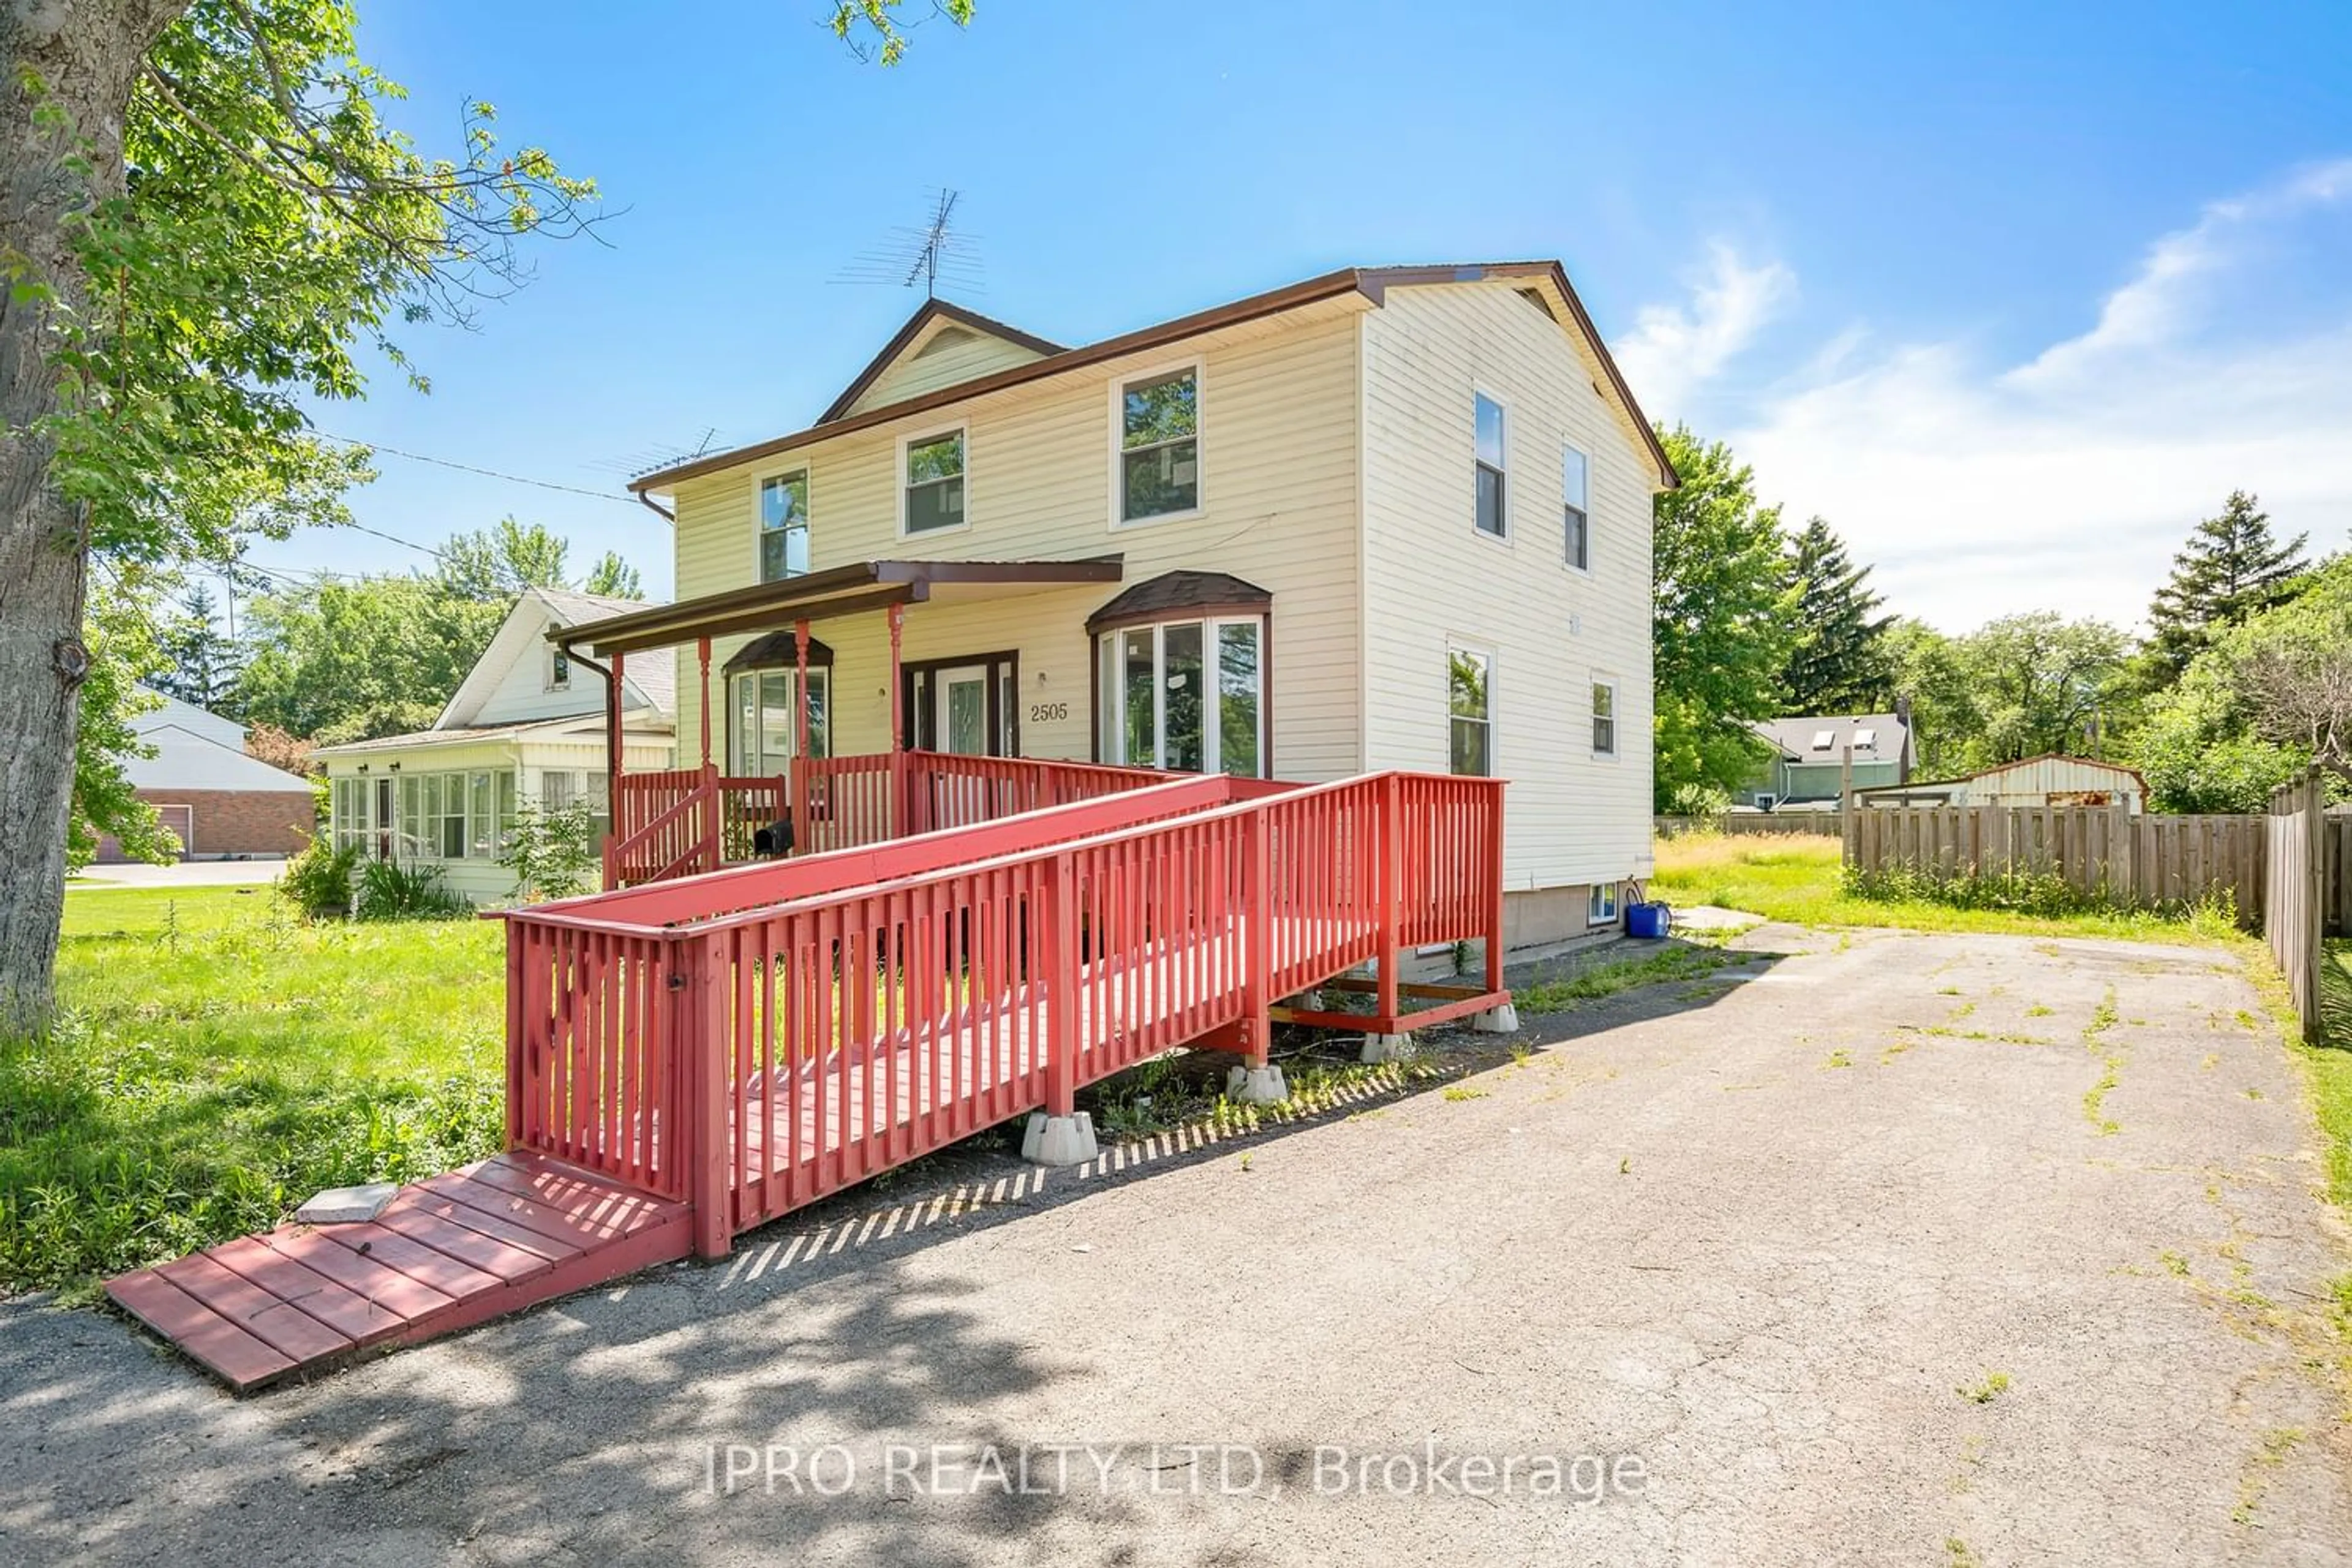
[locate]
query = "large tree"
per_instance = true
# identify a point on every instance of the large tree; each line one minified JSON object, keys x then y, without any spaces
{"x":202,"y":220}
{"x":2041,"y":683}
{"x":2231,"y":570}
{"x":1723,"y":619}
{"x":202,"y":660}
{"x":1840,"y":662}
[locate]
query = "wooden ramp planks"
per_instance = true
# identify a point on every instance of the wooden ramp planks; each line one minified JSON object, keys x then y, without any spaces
{"x":448,"y":1253}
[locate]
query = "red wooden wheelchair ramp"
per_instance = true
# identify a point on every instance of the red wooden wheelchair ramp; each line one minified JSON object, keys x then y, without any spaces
{"x":448,"y":1253}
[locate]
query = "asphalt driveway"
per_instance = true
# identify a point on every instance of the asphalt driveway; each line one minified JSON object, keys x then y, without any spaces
{"x":1898,"y":1248}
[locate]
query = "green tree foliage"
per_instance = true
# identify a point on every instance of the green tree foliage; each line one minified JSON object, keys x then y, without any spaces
{"x":497,"y":563}
{"x":2198,"y":749}
{"x":1840,"y":662}
{"x":353,"y":660}
{"x":613,"y":578}
{"x":1724,"y":619}
{"x":122,"y":653}
{"x":2231,"y":570}
{"x":552,"y":853}
{"x":2292,"y":668}
{"x":201,"y":660}
{"x":1948,"y":722}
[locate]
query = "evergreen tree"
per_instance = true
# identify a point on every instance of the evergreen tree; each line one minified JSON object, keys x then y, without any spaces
{"x":2230,"y":571}
{"x":202,"y":659}
{"x":1840,"y":662}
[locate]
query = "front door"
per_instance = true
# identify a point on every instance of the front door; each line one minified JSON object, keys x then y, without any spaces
{"x":961,"y":720}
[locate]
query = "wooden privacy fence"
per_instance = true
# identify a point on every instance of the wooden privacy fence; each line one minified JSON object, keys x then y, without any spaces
{"x":753,"y":1040}
{"x":2101,"y":851}
{"x":2295,"y":909}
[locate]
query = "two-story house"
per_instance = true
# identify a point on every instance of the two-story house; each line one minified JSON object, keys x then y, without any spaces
{"x":1385,"y":518}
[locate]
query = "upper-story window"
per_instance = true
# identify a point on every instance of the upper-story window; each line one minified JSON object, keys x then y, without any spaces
{"x":1575,"y":480}
{"x":1493,"y":461}
{"x":934,"y":491}
{"x":559,"y":669}
{"x":784,"y":526}
{"x":1605,"y":718}
{"x":1160,"y":445}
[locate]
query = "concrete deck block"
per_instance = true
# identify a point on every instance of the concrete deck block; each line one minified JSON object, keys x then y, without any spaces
{"x":348,"y":1205}
{"x":1256,"y":1086}
{"x":1386,"y":1047}
{"x":1502,"y":1020}
{"x":1058,"y":1140}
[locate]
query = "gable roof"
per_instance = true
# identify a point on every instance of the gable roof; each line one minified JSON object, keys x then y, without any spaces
{"x":1368,"y":283}
{"x":903,"y":339}
{"x":655,"y":684}
{"x":2131,"y":773}
{"x":187,"y":760}
{"x":1794,"y":737}
{"x":172,"y":713}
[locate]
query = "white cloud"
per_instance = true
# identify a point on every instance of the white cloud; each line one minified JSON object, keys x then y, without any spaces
{"x":2066,"y":480}
{"x":1674,"y":349}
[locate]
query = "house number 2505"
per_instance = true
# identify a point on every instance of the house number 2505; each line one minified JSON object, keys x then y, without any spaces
{"x":1047,"y":712}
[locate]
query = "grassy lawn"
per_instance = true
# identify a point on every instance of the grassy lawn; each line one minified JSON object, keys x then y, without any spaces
{"x":219,"y":1060}
{"x":1794,"y":878}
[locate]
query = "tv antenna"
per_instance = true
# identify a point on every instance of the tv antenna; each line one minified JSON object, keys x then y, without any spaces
{"x":930,"y":254}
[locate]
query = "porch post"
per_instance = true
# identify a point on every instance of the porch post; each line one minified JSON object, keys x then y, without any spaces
{"x":898,"y":813}
{"x":1386,"y":1041}
{"x":797,"y":786}
{"x":702,"y":656}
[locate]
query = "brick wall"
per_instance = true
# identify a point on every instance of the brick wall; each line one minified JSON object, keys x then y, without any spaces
{"x":234,"y":822}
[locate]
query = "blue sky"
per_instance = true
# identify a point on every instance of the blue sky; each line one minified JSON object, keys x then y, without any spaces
{"x":2010,"y":294}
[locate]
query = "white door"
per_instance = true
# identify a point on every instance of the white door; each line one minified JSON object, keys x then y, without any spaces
{"x":960,"y":718}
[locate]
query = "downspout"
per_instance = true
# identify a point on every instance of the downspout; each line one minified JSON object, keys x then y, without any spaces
{"x":656,"y":507}
{"x":611,"y":726}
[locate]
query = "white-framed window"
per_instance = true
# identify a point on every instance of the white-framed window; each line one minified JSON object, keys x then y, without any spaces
{"x":784,"y":526}
{"x":1187,"y":696}
{"x":456,"y":816}
{"x":349,"y":819}
{"x":559,"y":669}
{"x":1600,"y":905}
{"x":1470,"y":708}
{"x":1492,"y":443}
{"x":1156,"y":450}
{"x":1575,"y":485}
{"x":1605,"y":718}
{"x":931,"y":493}
{"x":764,"y":730}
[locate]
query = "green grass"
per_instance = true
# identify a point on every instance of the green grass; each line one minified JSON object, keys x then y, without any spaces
{"x":217,"y":1060}
{"x":1608,"y":979}
{"x":1795,"y":877}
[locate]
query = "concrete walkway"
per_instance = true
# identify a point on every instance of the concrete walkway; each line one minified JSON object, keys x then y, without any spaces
{"x":1900,"y":1249}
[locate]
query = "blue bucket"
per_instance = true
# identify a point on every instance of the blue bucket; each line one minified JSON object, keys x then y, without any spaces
{"x":1652,"y":921}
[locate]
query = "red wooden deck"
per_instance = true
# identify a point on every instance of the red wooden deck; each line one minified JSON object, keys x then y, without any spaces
{"x":692,"y":1059}
{"x":457,"y":1250}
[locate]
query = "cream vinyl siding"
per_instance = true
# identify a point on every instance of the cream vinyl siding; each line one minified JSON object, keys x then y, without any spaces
{"x":1279,"y":505}
{"x":1432,"y":579}
{"x":949,"y":353}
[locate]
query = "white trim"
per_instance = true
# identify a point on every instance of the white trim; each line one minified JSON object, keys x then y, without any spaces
{"x":1119,"y":381}
{"x":923,"y":435}
{"x":760,"y":479}
{"x":1510,"y":490}
{"x":1493,"y":709}
{"x":1596,"y":683}
{"x":1592,"y":895}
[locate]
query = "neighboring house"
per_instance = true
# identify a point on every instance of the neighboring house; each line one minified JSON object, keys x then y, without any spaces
{"x":223,"y":804}
{"x":2047,"y":780}
{"x":524,"y":724}
{"x":1392,"y":517}
{"x":1806,"y":764}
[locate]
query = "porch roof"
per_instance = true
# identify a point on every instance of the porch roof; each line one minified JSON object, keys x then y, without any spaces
{"x":848,"y":590}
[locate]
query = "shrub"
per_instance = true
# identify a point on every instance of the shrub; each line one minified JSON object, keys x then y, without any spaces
{"x":318,"y":880}
{"x":390,"y":891}
{"x":2041,"y":893}
{"x":552,"y":854}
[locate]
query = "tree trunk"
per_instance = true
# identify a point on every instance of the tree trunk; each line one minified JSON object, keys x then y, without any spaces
{"x":85,"y":55}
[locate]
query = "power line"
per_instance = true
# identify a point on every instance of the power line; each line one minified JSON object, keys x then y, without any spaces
{"x":472,"y":469}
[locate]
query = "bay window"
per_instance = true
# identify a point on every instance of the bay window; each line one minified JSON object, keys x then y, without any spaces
{"x":1186,"y":695}
{"x":765,"y":729}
